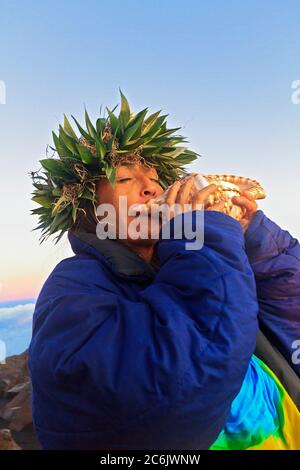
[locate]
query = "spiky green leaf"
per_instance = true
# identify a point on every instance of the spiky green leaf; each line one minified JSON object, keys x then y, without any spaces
{"x":155,"y":127}
{"x":43,"y":201}
{"x":90,"y":128}
{"x":57,"y":169}
{"x":85,"y":155}
{"x":100,"y":124}
{"x":68,"y":128}
{"x":110,"y":172}
{"x":150,"y":120}
{"x":69,"y":142}
{"x":113,"y":120}
{"x":60,"y":147}
{"x":124,"y":115}
{"x":100,"y":149}
{"x":56,"y":192}
{"x":133,"y":131}
{"x":84,"y":134}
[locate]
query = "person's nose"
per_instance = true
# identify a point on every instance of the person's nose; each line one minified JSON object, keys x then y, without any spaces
{"x":148,"y":189}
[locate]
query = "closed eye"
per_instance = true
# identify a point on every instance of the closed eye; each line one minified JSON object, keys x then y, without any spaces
{"x":128,"y":179}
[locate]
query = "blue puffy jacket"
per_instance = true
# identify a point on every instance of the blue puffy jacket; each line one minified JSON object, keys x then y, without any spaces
{"x":275,"y":259}
{"x":126,"y":357}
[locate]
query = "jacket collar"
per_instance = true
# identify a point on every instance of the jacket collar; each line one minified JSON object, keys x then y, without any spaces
{"x":123,"y":261}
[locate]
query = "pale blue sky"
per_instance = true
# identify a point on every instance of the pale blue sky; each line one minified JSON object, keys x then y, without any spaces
{"x":222,"y":70}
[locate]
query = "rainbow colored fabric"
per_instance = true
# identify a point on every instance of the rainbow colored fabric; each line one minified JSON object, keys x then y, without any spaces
{"x":262,"y":416}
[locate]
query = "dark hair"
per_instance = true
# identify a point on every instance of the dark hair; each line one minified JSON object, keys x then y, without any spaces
{"x":86,"y":220}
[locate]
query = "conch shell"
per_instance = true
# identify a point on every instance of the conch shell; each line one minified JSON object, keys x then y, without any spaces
{"x":228,"y":186}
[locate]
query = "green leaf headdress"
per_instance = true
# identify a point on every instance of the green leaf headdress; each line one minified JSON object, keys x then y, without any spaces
{"x":68,"y":183}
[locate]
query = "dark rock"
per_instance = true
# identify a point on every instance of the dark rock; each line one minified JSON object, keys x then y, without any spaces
{"x":15,"y":404}
{"x":14,"y":371}
{"x":18,"y":411}
{"x":6,"y":441}
{"x":16,"y":389}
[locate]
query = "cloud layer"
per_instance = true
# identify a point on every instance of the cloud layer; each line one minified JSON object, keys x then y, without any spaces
{"x":22,"y":313}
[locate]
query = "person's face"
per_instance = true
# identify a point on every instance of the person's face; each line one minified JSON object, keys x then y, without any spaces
{"x":138,"y":184}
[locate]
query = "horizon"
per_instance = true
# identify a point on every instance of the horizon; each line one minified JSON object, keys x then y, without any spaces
{"x":231,"y":91}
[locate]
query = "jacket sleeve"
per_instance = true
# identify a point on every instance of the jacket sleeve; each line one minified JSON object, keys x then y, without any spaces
{"x":275,"y":259}
{"x":163,"y":370}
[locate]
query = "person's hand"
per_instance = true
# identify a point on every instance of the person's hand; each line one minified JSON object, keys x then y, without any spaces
{"x":179,"y":200}
{"x":249,"y":206}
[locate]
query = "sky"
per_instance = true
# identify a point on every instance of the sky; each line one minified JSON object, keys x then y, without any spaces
{"x":223,"y":71}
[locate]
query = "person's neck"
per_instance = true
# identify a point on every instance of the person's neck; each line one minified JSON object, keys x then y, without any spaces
{"x":144,"y":252}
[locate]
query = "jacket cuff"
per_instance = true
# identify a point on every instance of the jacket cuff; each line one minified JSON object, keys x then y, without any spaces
{"x":262,"y":238}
